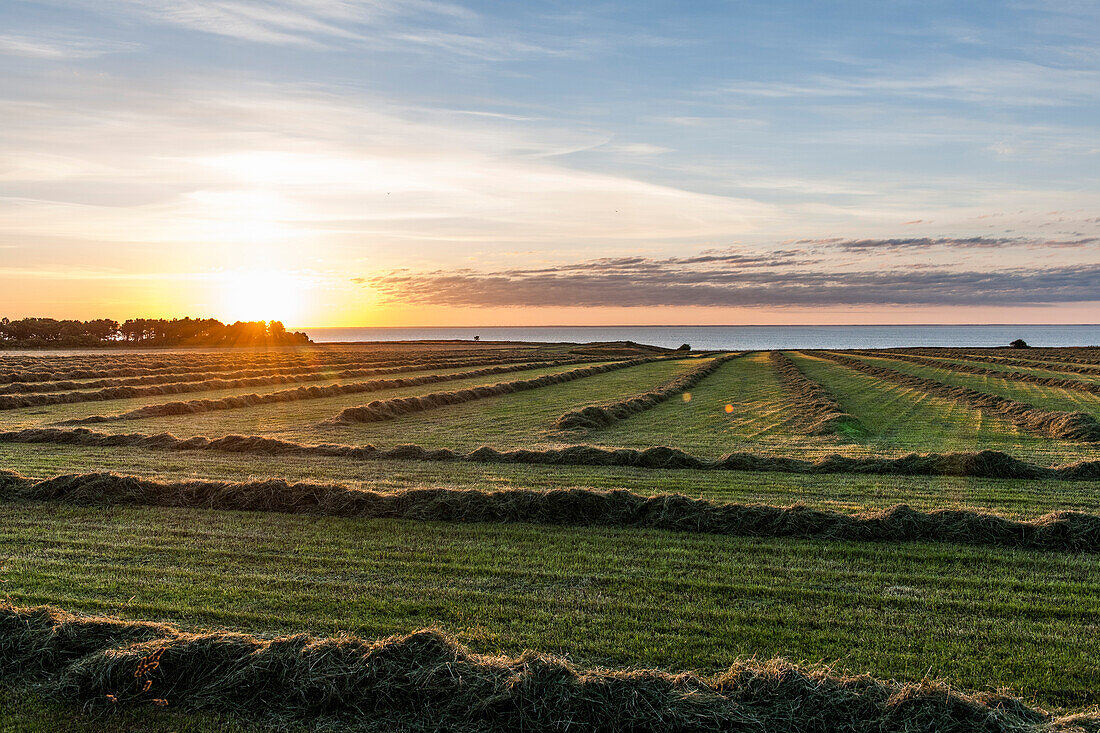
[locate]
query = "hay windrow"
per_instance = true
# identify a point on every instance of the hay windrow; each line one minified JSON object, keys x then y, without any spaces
{"x":278,"y":375}
{"x":1061,"y":382}
{"x":817,"y":410}
{"x":594,"y":417}
{"x":1058,"y":531}
{"x":133,"y":365}
{"x":191,"y":407}
{"x":1079,"y":426}
{"x":1034,"y":356}
{"x":1002,"y":360}
{"x":391,"y":409}
{"x":982,"y":464}
{"x":427,"y":681}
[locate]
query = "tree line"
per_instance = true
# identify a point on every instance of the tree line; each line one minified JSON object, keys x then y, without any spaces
{"x":146,"y":332}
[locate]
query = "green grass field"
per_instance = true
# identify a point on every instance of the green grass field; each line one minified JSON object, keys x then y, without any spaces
{"x":901,"y":418}
{"x":758,"y":419}
{"x":1024,"y":621}
{"x":603,"y":597}
{"x":293,"y":419}
{"x":1049,"y":398}
{"x":40,"y":415}
{"x":1037,"y":370}
{"x":520,"y":420}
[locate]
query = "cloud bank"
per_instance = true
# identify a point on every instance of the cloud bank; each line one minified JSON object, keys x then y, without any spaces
{"x":734,"y":280}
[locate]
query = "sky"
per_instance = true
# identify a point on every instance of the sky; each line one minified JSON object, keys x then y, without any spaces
{"x":423,"y":162}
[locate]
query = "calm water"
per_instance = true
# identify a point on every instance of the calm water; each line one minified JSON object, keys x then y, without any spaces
{"x":743,"y":337}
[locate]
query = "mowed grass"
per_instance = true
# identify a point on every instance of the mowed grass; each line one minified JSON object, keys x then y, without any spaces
{"x":1053,"y":361}
{"x":295,"y":418}
{"x":758,"y":419}
{"x":21,"y":712}
{"x":1037,"y":370}
{"x":979,"y":618}
{"x":1048,"y":398}
{"x":519,"y":420}
{"x":901,"y":419}
{"x":43,"y":414}
{"x":1017,"y":498}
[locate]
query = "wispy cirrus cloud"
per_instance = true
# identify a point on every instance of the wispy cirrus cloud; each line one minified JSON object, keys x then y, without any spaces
{"x":920,"y":243}
{"x":281,"y":22}
{"x":57,"y":46}
{"x":1001,"y":82}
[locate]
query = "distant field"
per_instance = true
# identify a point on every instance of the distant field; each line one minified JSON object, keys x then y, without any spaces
{"x":1051,"y":398}
{"x":1022,"y":620}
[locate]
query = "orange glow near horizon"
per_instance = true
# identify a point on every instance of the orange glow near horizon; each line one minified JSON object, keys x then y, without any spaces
{"x":303,"y":300}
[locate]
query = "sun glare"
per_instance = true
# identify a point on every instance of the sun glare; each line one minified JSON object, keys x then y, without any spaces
{"x":262,"y":296}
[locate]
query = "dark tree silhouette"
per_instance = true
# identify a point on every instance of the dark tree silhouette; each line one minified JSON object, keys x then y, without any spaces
{"x":146,"y":332}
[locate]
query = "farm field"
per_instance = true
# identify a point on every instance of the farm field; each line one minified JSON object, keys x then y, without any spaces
{"x":163,"y":518}
{"x":1051,"y":398}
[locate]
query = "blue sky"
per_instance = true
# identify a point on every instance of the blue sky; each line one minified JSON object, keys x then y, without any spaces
{"x":441,"y":163}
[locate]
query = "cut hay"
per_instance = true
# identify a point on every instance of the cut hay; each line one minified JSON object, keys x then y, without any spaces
{"x":428,"y":681}
{"x":593,"y":417}
{"x":981,"y":464}
{"x":278,"y":376}
{"x":1060,"y":382}
{"x":816,"y":409}
{"x":1066,"y":354}
{"x":140,"y":365}
{"x":191,"y":407}
{"x":1002,"y":360}
{"x":391,"y":409}
{"x":1058,"y":531}
{"x":1079,"y":426}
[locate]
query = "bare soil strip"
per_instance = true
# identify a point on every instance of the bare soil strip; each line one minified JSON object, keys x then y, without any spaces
{"x":816,"y":409}
{"x":1079,"y":426}
{"x":981,"y":464}
{"x":428,"y":681}
{"x":594,"y":417}
{"x":391,"y":409}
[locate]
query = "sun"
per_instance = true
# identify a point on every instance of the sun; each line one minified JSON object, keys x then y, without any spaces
{"x":262,"y":296}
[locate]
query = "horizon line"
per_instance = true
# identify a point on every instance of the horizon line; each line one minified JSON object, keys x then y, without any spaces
{"x":712,"y":325}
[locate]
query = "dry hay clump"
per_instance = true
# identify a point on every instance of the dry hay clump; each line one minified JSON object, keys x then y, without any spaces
{"x":191,"y":407}
{"x":818,"y":411}
{"x":980,"y":464}
{"x":1058,"y":531}
{"x":1052,"y":423}
{"x":594,"y":417}
{"x":390,"y":409}
{"x":427,"y":681}
{"x":1062,"y":382}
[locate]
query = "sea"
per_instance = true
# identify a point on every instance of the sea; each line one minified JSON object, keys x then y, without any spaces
{"x":741,"y":337}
